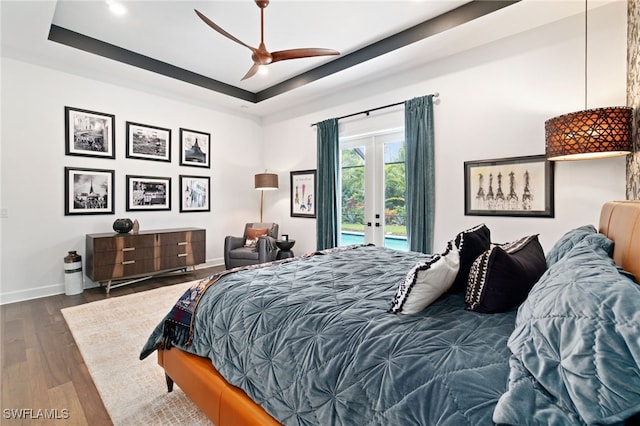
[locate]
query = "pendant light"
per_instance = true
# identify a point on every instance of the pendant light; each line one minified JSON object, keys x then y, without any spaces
{"x":591,"y":133}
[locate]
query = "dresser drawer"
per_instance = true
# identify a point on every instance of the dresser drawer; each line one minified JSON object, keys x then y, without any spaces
{"x":180,"y":238}
{"x":124,"y":242}
{"x":125,"y":255}
{"x":184,"y":255}
{"x":123,"y":269}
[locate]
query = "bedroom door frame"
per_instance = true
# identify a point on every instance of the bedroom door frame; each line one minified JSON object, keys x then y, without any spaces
{"x":373,"y":154}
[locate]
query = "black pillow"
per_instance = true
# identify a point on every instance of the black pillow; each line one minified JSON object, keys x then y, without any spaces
{"x":471,"y":244}
{"x":500,"y":278}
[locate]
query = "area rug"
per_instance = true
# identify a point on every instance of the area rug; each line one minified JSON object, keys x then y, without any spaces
{"x":110,"y":334}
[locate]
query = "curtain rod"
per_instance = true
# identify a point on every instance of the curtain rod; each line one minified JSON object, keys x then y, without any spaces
{"x":435,"y":95}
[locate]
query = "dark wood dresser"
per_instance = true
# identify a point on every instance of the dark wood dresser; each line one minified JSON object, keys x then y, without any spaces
{"x":112,"y":256}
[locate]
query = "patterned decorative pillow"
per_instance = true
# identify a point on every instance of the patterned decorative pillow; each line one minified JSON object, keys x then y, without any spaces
{"x":249,"y":243}
{"x":252,"y":236}
{"x":502,"y":276}
{"x":426,"y":282}
{"x":471,"y":244}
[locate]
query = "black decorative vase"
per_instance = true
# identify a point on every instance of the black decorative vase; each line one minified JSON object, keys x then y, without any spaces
{"x":122,"y":225}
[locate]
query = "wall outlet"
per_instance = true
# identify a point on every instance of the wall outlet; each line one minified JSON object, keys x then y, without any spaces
{"x":4,"y":213}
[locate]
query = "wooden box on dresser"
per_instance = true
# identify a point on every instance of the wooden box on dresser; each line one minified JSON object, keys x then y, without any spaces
{"x":112,"y":256}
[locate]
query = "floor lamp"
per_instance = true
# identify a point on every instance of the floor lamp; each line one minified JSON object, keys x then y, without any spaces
{"x":265,"y":182}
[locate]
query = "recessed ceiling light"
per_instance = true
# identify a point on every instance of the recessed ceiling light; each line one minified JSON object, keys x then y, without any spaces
{"x":116,"y":8}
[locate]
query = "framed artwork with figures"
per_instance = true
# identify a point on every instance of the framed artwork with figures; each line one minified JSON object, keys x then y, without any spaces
{"x":147,"y":142}
{"x":517,"y":186}
{"x":303,"y":193}
{"x":148,"y":193}
{"x":89,"y":133}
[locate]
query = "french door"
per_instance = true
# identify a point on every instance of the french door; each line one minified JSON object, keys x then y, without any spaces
{"x":372,"y":187}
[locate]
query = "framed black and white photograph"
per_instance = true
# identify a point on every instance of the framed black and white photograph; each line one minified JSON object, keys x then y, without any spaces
{"x":148,"y":193}
{"x":303,"y":193}
{"x":148,"y":142}
{"x":195,"y":148}
{"x":194,"y":194}
{"x":88,"y":191}
{"x":518,"y":186}
{"x":89,"y":133}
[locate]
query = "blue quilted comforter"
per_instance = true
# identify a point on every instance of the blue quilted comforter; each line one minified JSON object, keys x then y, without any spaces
{"x":312,"y":342}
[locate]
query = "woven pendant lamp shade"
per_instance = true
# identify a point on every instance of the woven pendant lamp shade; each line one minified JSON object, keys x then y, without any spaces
{"x":593,"y":133}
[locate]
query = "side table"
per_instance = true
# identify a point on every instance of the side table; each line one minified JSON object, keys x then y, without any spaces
{"x":285,"y":247}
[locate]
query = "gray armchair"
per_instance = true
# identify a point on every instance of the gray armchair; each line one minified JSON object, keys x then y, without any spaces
{"x":265,"y":250}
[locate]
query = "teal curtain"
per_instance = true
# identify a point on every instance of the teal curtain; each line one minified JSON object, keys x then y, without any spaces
{"x":327,"y":196}
{"x":420,"y":172}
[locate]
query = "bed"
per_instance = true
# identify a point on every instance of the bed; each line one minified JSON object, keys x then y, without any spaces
{"x":365,"y":335}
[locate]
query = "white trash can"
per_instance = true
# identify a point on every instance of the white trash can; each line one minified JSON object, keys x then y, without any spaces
{"x":73,"y":274}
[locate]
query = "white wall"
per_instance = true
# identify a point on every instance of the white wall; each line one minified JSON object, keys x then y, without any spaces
{"x":36,"y":234}
{"x":493,"y":103}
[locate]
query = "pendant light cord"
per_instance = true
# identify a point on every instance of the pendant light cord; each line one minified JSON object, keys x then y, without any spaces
{"x":585,"y":53}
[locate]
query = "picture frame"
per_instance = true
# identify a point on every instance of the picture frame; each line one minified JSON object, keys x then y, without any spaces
{"x":195,"y":193}
{"x":89,"y":133}
{"x":146,"y":142}
{"x":195,"y":148}
{"x":148,"y":193}
{"x":303,"y":193}
{"x":88,"y":191}
{"x":517,"y":186}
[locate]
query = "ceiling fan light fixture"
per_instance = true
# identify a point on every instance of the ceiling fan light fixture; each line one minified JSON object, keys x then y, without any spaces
{"x":116,"y":8}
{"x":260,"y":55}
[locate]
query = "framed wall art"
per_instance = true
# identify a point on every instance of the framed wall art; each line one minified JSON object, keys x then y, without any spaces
{"x":89,"y":133}
{"x":195,"y":148}
{"x":303,"y":193}
{"x":148,"y":193}
{"x":148,"y":142}
{"x":518,"y":186}
{"x":88,"y":191}
{"x":194,"y":194}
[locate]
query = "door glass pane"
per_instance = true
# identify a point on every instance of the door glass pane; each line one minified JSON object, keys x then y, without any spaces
{"x":352,"y":226}
{"x":394,"y":196}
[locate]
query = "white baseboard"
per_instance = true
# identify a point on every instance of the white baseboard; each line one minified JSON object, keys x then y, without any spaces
{"x":55,"y":289}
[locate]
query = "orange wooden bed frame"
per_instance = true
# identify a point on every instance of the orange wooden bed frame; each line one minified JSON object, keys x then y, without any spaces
{"x":227,"y":405}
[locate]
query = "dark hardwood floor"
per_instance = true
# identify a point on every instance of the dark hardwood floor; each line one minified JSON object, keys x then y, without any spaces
{"x":42,"y":368}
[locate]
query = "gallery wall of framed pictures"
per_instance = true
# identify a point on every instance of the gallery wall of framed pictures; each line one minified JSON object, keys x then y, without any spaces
{"x":91,"y":191}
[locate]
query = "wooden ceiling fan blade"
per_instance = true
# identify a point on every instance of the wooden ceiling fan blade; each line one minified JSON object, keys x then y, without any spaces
{"x":222,"y":31}
{"x":252,"y":71}
{"x":283,"y":55}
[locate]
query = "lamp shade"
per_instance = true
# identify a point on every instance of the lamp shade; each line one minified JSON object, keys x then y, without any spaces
{"x":266,"y":181}
{"x":593,"y":133}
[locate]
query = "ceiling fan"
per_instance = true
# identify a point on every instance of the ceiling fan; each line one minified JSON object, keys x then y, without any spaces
{"x":261,"y":56}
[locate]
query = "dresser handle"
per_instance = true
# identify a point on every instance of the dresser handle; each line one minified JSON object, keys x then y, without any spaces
{"x":128,"y":249}
{"x":183,"y":254}
{"x":128,"y":262}
{"x":183,"y":243}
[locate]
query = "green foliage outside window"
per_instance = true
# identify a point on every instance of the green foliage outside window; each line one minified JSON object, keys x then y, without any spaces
{"x":353,"y":190}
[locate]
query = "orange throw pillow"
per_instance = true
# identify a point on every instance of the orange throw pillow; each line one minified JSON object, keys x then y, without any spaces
{"x":253,"y":233}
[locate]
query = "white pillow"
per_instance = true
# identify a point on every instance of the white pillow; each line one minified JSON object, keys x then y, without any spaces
{"x":426,"y":282}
